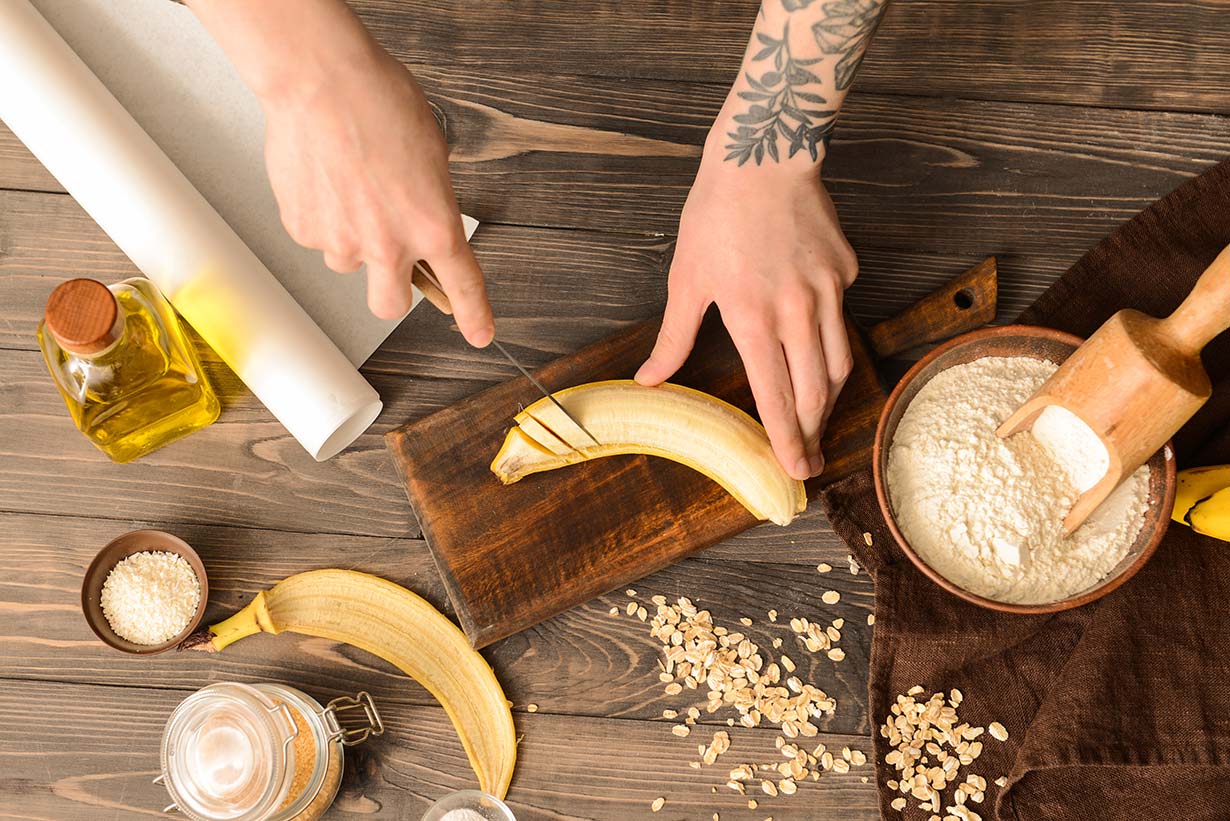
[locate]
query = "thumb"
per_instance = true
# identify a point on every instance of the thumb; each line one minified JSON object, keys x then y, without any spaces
{"x":680,"y":323}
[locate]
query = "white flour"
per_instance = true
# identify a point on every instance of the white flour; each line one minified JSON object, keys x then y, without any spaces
{"x":987,"y":513}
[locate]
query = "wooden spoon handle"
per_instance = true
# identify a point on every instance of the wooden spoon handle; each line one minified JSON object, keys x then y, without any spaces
{"x":1206,"y":311}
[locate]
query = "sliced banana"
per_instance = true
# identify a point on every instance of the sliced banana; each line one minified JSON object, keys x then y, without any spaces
{"x":670,"y":421}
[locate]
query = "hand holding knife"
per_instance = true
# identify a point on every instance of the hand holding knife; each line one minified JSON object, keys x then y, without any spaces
{"x":425,"y":280}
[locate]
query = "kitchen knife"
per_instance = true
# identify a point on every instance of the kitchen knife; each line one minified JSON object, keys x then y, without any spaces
{"x":425,"y":280}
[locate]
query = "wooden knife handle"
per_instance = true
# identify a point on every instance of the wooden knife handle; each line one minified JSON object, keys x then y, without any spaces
{"x":963,"y":304}
{"x":432,"y":294}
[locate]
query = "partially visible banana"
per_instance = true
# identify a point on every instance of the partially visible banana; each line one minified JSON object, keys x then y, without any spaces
{"x":674,"y":422}
{"x":391,"y":622}
{"x":1202,"y":500}
{"x":1212,"y":516}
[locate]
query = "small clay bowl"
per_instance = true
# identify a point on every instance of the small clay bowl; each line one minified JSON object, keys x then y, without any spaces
{"x":1039,"y":343}
{"x":138,"y":541}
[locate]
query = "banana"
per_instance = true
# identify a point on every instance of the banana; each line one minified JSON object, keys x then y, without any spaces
{"x":670,"y":421}
{"x":391,"y":622}
{"x":1196,"y":485}
{"x":1212,"y":516}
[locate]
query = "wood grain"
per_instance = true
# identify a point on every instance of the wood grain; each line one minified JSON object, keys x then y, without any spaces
{"x":974,"y":294}
{"x":1142,"y":54}
{"x":906,"y":172}
{"x":1024,"y":128}
{"x":85,"y":751}
{"x":583,"y":662}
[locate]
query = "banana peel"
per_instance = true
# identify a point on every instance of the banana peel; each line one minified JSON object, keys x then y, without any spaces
{"x":391,"y":622}
{"x":670,"y":421}
{"x":1212,"y":516}
{"x":1202,"y":500}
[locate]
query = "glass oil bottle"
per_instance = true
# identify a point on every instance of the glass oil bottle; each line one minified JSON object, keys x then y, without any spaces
{"x":124,"y":365}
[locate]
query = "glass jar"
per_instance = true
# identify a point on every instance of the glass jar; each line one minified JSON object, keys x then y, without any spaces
{"x":258,"y":752}
{"x":124,"y":365}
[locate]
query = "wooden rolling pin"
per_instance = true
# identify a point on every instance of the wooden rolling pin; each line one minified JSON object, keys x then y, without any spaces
{"x":1136,"y":381}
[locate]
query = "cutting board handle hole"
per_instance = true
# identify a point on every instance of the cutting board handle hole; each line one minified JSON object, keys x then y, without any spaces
{"x":964,"y":299}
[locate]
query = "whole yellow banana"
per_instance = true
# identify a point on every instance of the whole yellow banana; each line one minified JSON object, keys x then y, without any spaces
{"x":671,"y":421}
{"x":391,"y":622}
{"x":1202,"y":500}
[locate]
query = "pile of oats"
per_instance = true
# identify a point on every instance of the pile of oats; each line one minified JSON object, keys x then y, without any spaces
{"x":930,"y":746}
{"x":734,"y":672}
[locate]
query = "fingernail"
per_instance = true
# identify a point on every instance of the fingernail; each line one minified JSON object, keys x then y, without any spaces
{"x":817,"y":465}
{"x":802,"y":469}
{"x":483,"y":338}
{"x":640,"y":374}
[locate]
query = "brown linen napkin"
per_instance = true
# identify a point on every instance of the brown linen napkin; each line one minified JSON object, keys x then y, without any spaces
{"x":1119,"y":709}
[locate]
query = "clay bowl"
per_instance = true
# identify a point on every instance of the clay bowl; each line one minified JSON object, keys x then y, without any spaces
{"x":119,"y":549}
{"x":1040,"y":343}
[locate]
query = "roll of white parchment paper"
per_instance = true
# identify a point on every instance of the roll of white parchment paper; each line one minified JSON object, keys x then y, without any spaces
{"x":72,"y":123}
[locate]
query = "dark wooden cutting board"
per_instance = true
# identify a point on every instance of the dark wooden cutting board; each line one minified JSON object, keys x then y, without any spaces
{"x":512,"y":556}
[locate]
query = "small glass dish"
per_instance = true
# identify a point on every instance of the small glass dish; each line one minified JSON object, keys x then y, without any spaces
{"x":469,"y":805}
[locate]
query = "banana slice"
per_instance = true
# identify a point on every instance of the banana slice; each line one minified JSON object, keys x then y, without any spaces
{"x":671,"y":421}
{"x":391,"y":622}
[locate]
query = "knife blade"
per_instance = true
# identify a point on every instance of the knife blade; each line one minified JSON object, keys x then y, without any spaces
{"x":425,"y":280}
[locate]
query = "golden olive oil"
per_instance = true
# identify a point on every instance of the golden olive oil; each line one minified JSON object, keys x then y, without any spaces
{"x":127,"y":371}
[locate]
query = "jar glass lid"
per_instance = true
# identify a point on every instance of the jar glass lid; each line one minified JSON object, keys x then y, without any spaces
{"x":225,"y":753}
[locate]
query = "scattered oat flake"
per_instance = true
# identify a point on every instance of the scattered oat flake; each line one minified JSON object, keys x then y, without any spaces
{"x":824,"y":567}
{"x":657,"y":804}
{"x":531,"y":708}
{"x":1001,"y":781}
{"x":673,"y":689}
{"x":614,"y":611}
{"x":871,"y":619}
{"x":773,"y":615}
{"x":898,"y":804}
{"x":681,"y":730}
{"x":837,"y":654}
{"x":631,"y":592}
{"x":867,"y":539}
{"x":830,"y":597}
{"x":997,"y":731}
{"x":745,"y":621}
{"x":752,"y":804}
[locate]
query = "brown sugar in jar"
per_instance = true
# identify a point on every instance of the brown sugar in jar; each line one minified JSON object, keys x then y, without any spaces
{"x":262,"y":752}
{"x":306,"y":755}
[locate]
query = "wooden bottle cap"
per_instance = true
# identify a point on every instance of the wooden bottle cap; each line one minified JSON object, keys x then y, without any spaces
{"x":83,"y":316}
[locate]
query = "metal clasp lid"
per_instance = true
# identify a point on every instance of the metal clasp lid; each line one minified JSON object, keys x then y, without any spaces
{"x":352,"y":735}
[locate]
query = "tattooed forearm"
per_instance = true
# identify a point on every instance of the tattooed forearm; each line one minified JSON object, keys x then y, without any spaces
{"x":781,"y":105}
{"x":846,"y":30}
{"x":792,"y":87}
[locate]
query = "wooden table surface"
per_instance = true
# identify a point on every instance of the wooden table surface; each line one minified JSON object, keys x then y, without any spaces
{"x":1023,"y":128}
